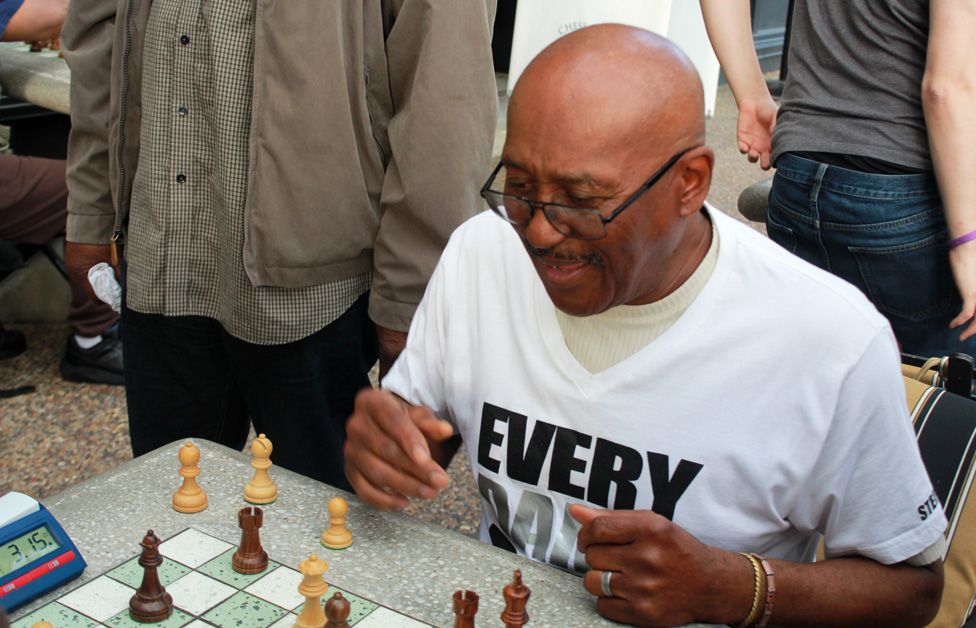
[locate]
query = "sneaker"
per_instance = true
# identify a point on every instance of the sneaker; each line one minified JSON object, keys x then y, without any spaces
{"x":12,"y":343}
{"x":101,"y":364}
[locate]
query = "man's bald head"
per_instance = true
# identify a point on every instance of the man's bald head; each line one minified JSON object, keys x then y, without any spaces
{"x":623,"y":86}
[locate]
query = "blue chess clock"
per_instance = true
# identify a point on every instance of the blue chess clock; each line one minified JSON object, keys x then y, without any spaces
{"x":36,"y":554}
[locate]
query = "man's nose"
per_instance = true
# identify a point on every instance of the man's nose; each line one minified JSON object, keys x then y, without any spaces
{"x":540,"y":233}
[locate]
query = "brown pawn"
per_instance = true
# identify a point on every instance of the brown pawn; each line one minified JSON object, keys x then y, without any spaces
{"x":516,"y":596}
{"x":250,"y":557}
{"x":337,"y":611}
{"x":465,"y":608}
{"x":151,"y":603}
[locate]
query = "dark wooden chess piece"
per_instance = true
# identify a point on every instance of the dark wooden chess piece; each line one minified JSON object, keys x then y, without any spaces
{"x":250,"y":557}
{"x":516,"y":596}
{"x":465,"y":608}
{"x":151,"y":603}
{"x":337,"y":611}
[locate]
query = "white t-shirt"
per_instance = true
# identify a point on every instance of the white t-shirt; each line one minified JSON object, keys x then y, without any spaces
{"x":771,"y":412}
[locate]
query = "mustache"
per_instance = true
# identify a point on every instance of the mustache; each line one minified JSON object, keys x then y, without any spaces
{"x":552,"y":253}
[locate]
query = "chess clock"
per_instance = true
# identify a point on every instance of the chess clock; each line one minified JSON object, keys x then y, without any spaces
{"x":36,"y":554}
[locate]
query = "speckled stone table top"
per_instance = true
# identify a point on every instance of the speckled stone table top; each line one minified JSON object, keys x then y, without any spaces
{"x":395,"y":559}
{"x":40,"y":78}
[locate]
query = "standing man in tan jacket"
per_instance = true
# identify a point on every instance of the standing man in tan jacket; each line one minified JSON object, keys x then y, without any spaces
{"x":284,"y":175}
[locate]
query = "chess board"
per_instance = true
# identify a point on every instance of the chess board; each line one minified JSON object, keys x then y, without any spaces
{"x":24,"y":47}
{"x":206,"y":592}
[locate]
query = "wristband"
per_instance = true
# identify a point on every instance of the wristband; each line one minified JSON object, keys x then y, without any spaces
{"x":756,"y":608}
{"x":964,"y":238}
{"x":767,"y":610}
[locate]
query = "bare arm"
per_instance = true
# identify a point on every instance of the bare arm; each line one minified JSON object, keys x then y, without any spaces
{"x":949,"y":99}
{"x":729,"y":27}
{"x":36,"y":19}
{"x":665,"y":576}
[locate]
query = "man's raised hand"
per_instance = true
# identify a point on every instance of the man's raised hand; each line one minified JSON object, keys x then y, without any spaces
{"x":388,"y":456}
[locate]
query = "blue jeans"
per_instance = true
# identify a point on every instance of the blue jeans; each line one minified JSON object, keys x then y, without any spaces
{"x":885,"y":234}
{"x":185,"y":376}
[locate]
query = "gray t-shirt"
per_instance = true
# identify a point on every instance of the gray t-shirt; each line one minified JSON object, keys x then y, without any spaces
{"x":855,"y":78}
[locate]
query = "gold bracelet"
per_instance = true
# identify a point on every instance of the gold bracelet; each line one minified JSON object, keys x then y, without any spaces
{"x":756,"y":608}
{"x":767,"y":611}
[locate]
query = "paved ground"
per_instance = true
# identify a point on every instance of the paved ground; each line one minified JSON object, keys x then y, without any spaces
{"x":64,"y":433}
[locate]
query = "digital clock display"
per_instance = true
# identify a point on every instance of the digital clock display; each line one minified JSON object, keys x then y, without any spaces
{"x":25,"y":549}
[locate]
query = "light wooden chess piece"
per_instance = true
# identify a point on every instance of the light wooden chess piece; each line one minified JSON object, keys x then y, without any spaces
{"x":189,"y":497}
{"x":42,"y":624}
{"x":261,"y":490}
{"x":337,"y":535}
{"x":313,"y":587}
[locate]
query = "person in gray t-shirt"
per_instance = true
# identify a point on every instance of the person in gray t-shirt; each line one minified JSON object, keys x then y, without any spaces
{"x":874,"y":146}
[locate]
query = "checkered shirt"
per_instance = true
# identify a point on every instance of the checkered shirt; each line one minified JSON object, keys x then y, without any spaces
{"x":186,"y":222}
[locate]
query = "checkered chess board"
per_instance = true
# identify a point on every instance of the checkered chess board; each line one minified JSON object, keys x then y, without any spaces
{"x":206,"y":591}
{"x":19,"y":46}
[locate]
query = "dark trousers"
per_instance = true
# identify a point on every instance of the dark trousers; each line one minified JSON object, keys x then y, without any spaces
{"x":33,"y":210}
{"x":185,"y":376}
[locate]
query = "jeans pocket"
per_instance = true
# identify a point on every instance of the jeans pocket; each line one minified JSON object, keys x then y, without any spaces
{"x":780,"y":234}
{"x":912,"y":281}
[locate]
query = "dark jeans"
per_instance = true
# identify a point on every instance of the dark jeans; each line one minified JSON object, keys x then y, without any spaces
{"x":885,"y":234}
{"x":187,"y":377}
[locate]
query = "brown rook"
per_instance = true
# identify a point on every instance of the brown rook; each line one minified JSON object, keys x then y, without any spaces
{"x":250,"y":557}
{"x":465,"y":608}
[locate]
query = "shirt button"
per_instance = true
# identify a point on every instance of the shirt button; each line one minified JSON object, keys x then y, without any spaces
{"x":184,"y":39}
{"x":181,"y":178}
{"x":182,"y":111}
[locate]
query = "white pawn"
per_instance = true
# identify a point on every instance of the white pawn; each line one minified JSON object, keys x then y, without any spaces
{"x":189,"y":497}
{"x":337,"y":535}
{"x":261,"y":489}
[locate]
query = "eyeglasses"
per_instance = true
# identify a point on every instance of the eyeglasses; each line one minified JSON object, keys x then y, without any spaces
{"x":581,"y":223}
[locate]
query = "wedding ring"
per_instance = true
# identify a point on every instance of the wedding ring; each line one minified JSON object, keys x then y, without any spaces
{"x":605,"y":583}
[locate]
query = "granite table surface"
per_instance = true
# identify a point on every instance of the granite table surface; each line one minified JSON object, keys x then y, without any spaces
{"x":395,"y":560}
{"x":40,"y":78}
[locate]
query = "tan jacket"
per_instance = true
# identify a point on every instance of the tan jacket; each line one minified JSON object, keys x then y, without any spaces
{"x":372,"y":125}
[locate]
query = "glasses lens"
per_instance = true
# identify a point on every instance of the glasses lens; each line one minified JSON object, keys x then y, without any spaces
{"x":575,"y":222}
{"x":508,"y":207}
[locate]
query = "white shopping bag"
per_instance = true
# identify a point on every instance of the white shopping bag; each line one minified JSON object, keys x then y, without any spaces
{"x":538,"y":23}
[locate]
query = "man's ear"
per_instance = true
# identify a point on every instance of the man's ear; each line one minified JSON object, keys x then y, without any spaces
{"x":696,"y":179}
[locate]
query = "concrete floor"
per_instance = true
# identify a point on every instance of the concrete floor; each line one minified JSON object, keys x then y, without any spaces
{"x":64,"y":432}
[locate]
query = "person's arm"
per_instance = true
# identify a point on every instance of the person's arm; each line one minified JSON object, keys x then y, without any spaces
{"x":87,"y":40}
{"x":949,"y":99}
{"x":729,"y":27}
{"x":36,"y":20}
{"x":664,"y":576}
{"x":443,"y":86}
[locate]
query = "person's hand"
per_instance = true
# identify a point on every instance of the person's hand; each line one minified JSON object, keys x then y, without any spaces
{"x":754,"y":130}
{"x":391,"y":344}
{"x":78,"y":258}
{"x":388,"y":458}
{"x":963,"y":262}
{"x":662,"y":575}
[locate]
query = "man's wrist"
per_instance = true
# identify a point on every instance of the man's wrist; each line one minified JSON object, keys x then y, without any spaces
{"x":735,"y":590}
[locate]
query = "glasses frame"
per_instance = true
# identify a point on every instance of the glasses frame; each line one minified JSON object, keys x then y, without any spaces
{"x":540,"y":205}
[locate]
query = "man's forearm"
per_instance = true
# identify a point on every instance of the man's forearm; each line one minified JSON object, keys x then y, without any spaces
{"x":36,"y":20}
{"x":855,"y":592}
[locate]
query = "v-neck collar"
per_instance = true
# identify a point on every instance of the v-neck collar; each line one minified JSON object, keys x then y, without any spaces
{"x":668,"y":343}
